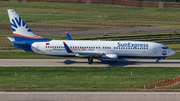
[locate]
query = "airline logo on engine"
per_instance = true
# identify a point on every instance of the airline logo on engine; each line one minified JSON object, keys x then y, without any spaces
{"x":142,"y":45}
{"x":19,"y":23}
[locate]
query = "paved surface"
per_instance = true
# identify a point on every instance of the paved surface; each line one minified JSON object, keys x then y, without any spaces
{"x":89,"y":96}
{"x":83,"y":62}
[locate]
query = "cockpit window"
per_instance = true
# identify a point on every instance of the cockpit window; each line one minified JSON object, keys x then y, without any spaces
{"x":164,"y":47}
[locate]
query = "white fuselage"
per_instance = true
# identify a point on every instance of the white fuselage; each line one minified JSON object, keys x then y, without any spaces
{"x":131,"y":49}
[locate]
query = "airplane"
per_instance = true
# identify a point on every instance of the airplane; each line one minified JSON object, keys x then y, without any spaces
{"x":106,"y":51}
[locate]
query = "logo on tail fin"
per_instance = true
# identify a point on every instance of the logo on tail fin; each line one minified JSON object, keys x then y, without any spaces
{"x":19,"y":23}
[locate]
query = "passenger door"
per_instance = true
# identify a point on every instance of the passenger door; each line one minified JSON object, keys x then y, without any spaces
{"x":155,"y":49}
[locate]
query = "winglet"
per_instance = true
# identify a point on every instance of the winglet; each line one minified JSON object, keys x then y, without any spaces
{"x":67,"y":48}
{"x":68,"y":36}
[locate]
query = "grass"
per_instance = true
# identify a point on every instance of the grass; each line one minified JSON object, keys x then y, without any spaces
{"x":82,"y":78}
{"x":87,"y":15}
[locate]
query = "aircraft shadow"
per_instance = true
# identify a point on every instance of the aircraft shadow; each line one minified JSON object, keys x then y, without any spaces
{"x":69,"y":62}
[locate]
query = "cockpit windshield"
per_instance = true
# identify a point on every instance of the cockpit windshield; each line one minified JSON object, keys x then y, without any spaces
{"x":164,"y":47}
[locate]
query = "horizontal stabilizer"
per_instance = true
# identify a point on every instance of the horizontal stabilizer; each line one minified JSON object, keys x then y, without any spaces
{"x":16,"y":42}
{"x":11,"y":39}
{"x":19,"y":43}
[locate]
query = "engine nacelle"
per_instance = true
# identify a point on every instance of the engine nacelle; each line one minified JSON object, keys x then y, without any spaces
{"x":109,"y":58}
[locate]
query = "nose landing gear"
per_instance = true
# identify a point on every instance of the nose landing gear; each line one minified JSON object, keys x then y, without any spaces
{"x":157,"y":61}
{"x":90,"y":60}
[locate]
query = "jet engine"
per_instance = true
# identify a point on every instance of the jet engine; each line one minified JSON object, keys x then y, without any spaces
{"x":109,"y":58}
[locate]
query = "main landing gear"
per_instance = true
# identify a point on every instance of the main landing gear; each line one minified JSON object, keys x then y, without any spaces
{"x":90,"y":60}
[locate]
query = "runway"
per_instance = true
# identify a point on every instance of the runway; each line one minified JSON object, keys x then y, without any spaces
{"x":84,"y":63}
{"x":89,"y":96}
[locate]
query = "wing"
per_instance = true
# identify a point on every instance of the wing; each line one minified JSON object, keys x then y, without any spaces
{"x":82,"y":53}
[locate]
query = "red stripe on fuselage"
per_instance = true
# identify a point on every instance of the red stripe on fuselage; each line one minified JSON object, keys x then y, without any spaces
{"x":34,"y":37}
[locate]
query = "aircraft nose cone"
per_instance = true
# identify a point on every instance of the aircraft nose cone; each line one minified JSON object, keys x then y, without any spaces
{"x":172,"y":52}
